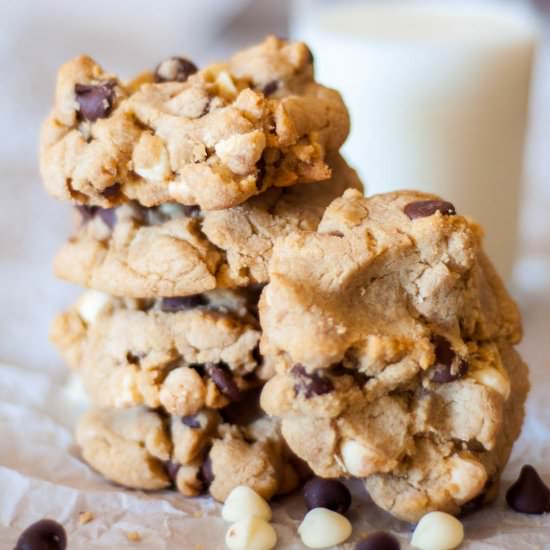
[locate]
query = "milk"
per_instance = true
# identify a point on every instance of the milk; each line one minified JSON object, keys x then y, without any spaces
{"x":438,"y":95}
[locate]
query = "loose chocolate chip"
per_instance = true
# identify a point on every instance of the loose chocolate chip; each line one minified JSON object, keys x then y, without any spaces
{"x":206,"y":474}
{"x":423,"y":209}
{"x":442,"y":372}
{"x":379,"y":541}
{"x":310,"y":383}
{"x":182,"y":303}
{"x":175,"y":69}
{"x":327,"y":493}
{"x":95,"y":101}
{"x":191,"y":421}
{"x":45,"y":534}
{"x":111,"y":192}
{"x":224,"y":381}
{"x":172,"y":469}
{"x":271,"y":87}
{"x":108,"y":216}
{"x":529,"y":494}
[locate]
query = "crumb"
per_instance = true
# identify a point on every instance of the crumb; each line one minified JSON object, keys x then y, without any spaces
{"x":197,"y":514}
{"x":85,"y":517}
{"x":133,"y":536}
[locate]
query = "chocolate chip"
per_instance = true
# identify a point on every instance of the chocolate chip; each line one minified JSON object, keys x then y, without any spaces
{"x":132,"y":358}
{"x":442,"y":372}
{"x":224,"y":381}
{"x":359,"y":378}
{"x":86,"y":212}
{"x":190,"y":211}
{"x":270,"y":87}
{"x":182,"y":303}
{"x":172,"y":469}
{"x":379,"y":541}
{"x":175,"y":69}
{"x":260,"y":176}
{"x":45,"y":534}
{"x":111,"y":192}
{"x":108,"y":216}
{"x":191,"y":421}
{"x":423,"y":209}
{"x":206,"y":473}
{"x":95,"y":101}
{"x":310,"y":383}
{"x":529,"y":494}
{"x":327,"y":493}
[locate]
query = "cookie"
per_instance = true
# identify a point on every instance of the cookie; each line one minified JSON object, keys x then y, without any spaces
{"x":173,"y":250}
{"x":391,"y":334}
{"x":212,"y":137}
{"x":144,"y":449}
{"x":179,"y":354}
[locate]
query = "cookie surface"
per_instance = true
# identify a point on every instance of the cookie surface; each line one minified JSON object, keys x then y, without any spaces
{"x":179,"y":354}
{"x":391,"y":335}
{"x":212,"y":137}
{"x":174,"y":251}
{"x":142,"y":449}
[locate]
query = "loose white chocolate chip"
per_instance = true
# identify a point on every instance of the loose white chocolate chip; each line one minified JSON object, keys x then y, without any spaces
{"x":251,"y":533}
{"x":322,"y":528}
{"x":438,"y":531}
{"x":91,"y":304}
{"x":493,"y":379}
{"x":150,"y":158}
{"x":358,"y":460}
{"x":243,"y":502}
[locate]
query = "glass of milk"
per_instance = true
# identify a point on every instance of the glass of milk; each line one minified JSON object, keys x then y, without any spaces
{"x":438,"y":94}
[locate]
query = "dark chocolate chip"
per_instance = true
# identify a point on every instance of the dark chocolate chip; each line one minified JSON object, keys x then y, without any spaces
{"x":132,"y":358}
{"x":224,"y":381}
{"x":112,"y":191}
{"x":108,"y":216}
{"x":45,"y":534}
{"x":442,"y":371}
{"x":260,"y":176}
{"x":423,"y":209}
{"x":175,"y":69}
{"x":86,"y":212}
{"x":327,"y":493}
{"x":95,"y":101}
{"x":359,"y":378}
{"x":172,"y":469}
{"x":191,"y":421}
{"x":529,"y":494}
{"x":270,"y":87}
{"x":310,"y":383}
{"x":190,"y":211}
{"x":182,"y":303}
{"x":206,"y":474}
{"x":379,"y":541}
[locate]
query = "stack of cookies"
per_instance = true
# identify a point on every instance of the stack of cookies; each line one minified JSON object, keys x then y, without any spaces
{"x":183,"y":179}
{"x":251,"y":317}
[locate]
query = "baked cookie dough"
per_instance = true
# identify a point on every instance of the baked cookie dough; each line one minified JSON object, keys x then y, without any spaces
{"x":212,"y":137}
{"x":173,"y":250}
{"x":392,"y":338}
{"x":143,"y":449}
{"x":178,"y":354}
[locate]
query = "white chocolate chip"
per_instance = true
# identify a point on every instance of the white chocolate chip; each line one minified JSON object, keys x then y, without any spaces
{"x":251,"y":533}
{"x":226,"y":86}
{"x":241,"y":152}
{"x":358,"y":460}
{"x":150,"y":158}
{"x":91,"y":304}
{"x":494,"y":379}
{"x":322,"y":528}
{"x":468,"y":478}
{"x":243,"y":502}
{"x":438,"y":531}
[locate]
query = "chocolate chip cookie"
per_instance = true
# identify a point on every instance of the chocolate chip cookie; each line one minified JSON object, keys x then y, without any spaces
{"x":144,"y":449}
{"x":392,"y":338}
{"x":179,"y":354}
{"x":212,"y":137}
{"x":175,"y":250}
